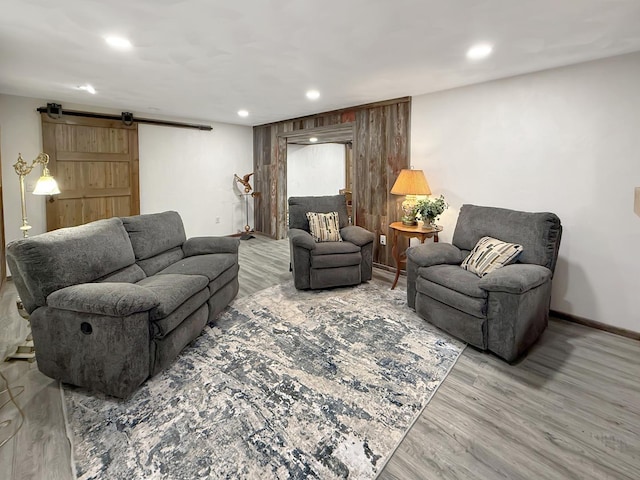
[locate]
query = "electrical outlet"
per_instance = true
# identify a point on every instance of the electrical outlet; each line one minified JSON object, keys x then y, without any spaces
{"x":217,"y":219}
{"x":383,"y":239}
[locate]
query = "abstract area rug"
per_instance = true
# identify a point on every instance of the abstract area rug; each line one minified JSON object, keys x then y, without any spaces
{"x":286,"y":384}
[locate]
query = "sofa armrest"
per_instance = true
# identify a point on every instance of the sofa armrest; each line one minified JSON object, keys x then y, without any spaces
{"x":357,"y":235}
{"x":301,"y":238}
{"x":428,"y":254}
{"x":113,"y":299}
{"x":517,"y":278}
{"x":205,"y":245}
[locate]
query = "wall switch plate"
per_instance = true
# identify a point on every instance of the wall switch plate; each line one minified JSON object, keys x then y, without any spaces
{"x":217,"y":219}
{"x":636,"y":202}
{"x":383,"y":239}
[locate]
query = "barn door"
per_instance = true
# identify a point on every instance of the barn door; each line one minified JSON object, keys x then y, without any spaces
{"x":95,"y":162}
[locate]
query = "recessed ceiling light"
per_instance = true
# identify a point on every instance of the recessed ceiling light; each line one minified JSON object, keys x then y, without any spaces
{"x":480,"y":51}
{"x":120,"y":43}
{"x":243,"y":113}
{"x":313,"y":139}
{"x":87,"y":88}
{"x":313,"y":94}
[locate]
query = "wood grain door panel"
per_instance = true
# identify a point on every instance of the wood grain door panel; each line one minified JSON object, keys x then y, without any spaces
{"x":96,"y":164}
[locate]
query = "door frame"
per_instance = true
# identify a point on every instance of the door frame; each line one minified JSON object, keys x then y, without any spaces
{"x":339,"y":133}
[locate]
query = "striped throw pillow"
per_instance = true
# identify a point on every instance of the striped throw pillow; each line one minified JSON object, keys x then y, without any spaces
{"x":324,"y":227}
{"x":490,"y":254}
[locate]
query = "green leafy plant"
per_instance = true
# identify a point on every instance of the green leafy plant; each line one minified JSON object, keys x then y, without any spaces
{"x":430,"y":209}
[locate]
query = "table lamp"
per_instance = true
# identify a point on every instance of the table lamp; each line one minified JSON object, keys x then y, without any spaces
{"x":410,"y":183}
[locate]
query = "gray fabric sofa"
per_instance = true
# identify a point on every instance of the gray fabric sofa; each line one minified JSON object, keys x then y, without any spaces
{"x":114,"y":301}
{"x":506,"y":310}
{"x":327,"y":264}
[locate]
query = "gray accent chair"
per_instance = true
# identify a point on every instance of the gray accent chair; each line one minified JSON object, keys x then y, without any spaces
{"x":113,"y":302}
{"x":327,"y":264}
{"x":506,"y":310}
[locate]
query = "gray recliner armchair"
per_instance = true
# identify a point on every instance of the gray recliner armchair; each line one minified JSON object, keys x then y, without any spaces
{"x":327,"y":264}
{"x":504,"y":311}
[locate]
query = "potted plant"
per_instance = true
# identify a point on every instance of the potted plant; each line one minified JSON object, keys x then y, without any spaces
{"x":430,"y":209}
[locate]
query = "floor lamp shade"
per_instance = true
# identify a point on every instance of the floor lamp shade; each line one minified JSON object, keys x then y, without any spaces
{"x":46,"y":184}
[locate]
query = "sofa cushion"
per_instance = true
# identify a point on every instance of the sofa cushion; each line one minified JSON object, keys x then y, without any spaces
{"x":490,"y":254}
{"x":324,"y":227}
{"x":172,"y":291}
{"x":210,"y":266}
{"x":454,"y":278}
{"x":48,"y":262}
{"x":338,"y":260}
{"x":166,"y":325}
{"x":474,"y":306}
{"x":225,"y":277}
{"x":153,"y":265}
{"x":131,"y":274}
{"x":113,"y":299}
{"x":333,"y":248}
{"x":335,"y":254}
{"x":154,"y":233}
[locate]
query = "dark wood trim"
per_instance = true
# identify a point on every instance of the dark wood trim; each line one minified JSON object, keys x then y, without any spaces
{"x":597,"y":325}
{"x":383,"y":103}
{"x":106,"y":116}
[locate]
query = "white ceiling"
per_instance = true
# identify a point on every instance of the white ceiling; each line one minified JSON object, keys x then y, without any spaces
{"x":206,"y":59}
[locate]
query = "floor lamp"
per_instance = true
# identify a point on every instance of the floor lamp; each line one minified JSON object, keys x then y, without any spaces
{"x":46,"y":184}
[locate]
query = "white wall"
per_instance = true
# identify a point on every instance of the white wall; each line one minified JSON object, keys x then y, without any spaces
{"x":315,"y":169}
{"x":185,"y":170}
{"x":191,"y":171}
{"x":565,"y":140}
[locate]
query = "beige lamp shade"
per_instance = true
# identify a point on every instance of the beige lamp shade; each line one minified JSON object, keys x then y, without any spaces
{"x":46,"y":185}
{"x":411,"y":182}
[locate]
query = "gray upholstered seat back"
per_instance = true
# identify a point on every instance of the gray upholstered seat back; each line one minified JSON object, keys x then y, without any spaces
{"x":299,"y":206}
{"x":538,"y":233}
{"x":154,"y":233}
{"x":157,"y":239}
{"x":45,"y":263}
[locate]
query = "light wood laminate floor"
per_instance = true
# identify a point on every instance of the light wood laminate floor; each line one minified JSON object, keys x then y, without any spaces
{"x":569,"y":410}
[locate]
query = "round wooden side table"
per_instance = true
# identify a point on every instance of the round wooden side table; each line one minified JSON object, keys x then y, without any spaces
{"x":409,"y":231}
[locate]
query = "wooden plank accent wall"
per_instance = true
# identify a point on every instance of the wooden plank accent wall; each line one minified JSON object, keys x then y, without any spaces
{"x":380,"y":151}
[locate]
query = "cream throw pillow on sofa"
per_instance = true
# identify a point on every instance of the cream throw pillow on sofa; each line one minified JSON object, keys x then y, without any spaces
{"x":325,"y":227}
{"x":490,"y":254}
